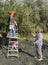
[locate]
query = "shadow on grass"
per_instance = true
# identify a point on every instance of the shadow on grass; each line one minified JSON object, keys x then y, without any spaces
{"x":25,"y":44}
{"x":3,"y":45}
{"x":0,"y":42}
{"x":45,"y":45}
{"x":29,"y":43}
{"x":5,"y":41}
{"x":25,"y":52}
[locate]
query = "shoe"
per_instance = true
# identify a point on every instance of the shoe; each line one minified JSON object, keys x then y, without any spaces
{"x":40,"y":59}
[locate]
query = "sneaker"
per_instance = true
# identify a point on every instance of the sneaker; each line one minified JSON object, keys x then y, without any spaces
{"x":40,"y":59}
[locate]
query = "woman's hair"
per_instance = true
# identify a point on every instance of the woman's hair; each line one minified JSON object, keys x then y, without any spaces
{"x":39,"y":30}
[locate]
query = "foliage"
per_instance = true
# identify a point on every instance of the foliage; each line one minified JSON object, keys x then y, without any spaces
{"x":29,"y":15}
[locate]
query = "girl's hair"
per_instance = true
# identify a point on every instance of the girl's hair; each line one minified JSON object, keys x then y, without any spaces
{"x":12,"y":13}
{"x":39,"y":30}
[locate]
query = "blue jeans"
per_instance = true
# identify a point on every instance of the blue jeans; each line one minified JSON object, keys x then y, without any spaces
{"x":12,"y":32}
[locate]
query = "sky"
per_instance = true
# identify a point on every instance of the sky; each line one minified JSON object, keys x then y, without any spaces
{"x":21,"y":0}
{"x":46,"y":0}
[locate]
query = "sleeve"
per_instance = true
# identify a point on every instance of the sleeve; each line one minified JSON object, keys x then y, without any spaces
{"x":39,"y":39}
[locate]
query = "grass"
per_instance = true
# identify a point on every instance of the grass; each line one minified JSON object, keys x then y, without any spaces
{"x":26,"y":54}
{"x":45,"y":36}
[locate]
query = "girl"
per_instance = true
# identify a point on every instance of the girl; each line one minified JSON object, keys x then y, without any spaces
{"x":12,"y":23}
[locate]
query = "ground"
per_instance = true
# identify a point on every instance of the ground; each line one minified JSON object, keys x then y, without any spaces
{"x":26,"y":54}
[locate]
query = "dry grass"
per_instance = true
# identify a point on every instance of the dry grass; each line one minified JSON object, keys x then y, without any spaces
{"x":45,"y":36}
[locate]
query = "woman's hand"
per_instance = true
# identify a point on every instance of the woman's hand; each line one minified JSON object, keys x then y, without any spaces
{"x":32,"y":35}
{"x":34,"y":43}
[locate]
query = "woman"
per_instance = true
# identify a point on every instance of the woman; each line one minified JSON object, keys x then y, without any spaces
{"x":38,"y":43}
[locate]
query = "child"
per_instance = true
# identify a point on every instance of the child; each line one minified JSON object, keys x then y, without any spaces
{"x":38,"y":43}
{"x":12,"y":24}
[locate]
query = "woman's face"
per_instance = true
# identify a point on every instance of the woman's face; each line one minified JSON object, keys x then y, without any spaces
{"x":37,"y":31}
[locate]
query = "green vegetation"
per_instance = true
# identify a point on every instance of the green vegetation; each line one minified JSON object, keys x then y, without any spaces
{"x":29,"y":15}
